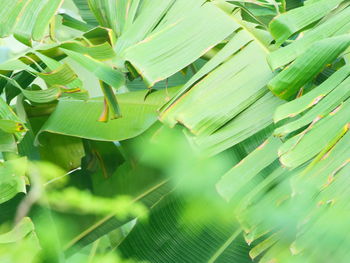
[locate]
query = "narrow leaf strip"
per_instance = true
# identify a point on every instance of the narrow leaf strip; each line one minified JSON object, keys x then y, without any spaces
{"x":160,"y":56}
{"x":285,"y":25}
{"x":336,"y":25}
{"x":301,"y":104}
{"x":111,"y":76}
{"x":244,"y":171}
{"x":312,"y":141}
{"x":111,"y":99}
{"x":287,"y":83}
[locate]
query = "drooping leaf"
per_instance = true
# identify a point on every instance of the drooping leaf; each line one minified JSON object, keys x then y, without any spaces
{"x":111,"y":104}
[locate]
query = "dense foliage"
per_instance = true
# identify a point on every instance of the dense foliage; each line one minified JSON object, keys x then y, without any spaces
{"x":174,"y":131}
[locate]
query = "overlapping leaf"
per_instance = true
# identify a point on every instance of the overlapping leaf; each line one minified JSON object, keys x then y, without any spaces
{"x":225,"y":80}
{"x":28,"y":19}
{"x":279,"y":190}
{"x":138,"y":114}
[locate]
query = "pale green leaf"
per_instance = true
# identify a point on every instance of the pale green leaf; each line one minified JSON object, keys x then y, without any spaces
{"x":285,"y":25}
{"x":138,"y":114}
{"x":293,"y":108}
{"x":102,"y":71}
{"x":20,"y":231}
{"x":337,"y":25}
{"x":249,"y":167}
{"x":159,"y":56}
{"x":12,"y":182}
{"x":287,"y":83}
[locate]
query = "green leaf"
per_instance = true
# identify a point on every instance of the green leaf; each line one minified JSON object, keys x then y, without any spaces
{"x":182,"y":231}
{"x":62,"y":75}
{"x":111,"y":76}
{"x":64,"y":151}
{"x":160,"y":56}
{"x":321,"y":105}
{"x":243,"y":172}
{"x":287,"y":83}
{"x":263,"y":246}
{"x":238,"y":41}
{"x":226,"y":80}
{"x":336,"y":25}
{"x":22,"y":78}
{"x":15,"y":64}
{"x":48,"y":10}
{"x":138,"y":114}
{"x":11,"y":126}
{"x":285,"y":25}
{"x":12,"y":180}
{"x":143,"y":186}
{"x":246,"y":124}
{"x":20,"y":231}
{"x":115,"y":14}
{"x":9,"y":120}
{"x":217,"y":87}
{"x":71,"y":22}
{"x":111,"y":103}
{"x":7,"y":142}
{"x":293,"y":108}
{"x":149,"y":15}
{"x":33,"y":19}
{"x":85,"y":12}
{"x":179,"y":10}
{"x":100,"y":52}
{"x":325,"y":170}
{"x":9,"y":13}
{"x":321,"y":135}
{"x":41,"y":96}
